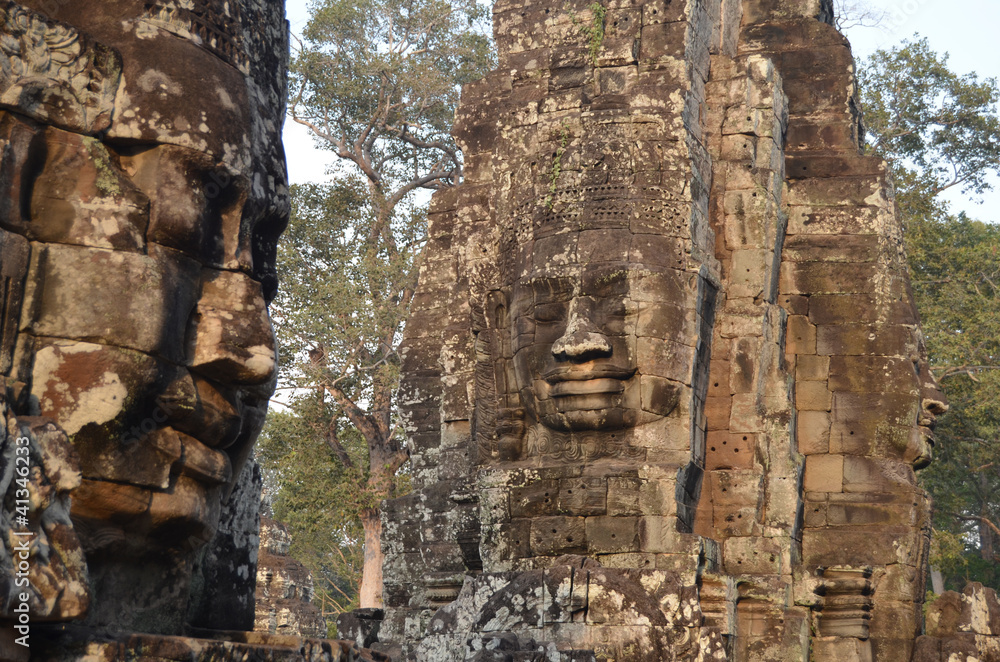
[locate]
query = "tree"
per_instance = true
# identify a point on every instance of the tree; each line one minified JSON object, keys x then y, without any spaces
{"x":377,"y":83}
{"x":849,"y":14}
{"x":940,"y":130}
{"x":956,"y":273}
{"x":299,"y":473}
{"x":937,"y":129}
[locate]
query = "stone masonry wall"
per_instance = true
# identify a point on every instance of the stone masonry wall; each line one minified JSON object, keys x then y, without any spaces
{"x":728,"y":457}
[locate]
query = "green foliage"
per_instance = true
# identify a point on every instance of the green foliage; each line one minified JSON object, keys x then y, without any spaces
{"x":377,"y":82}
{"x":337,"y":317}
{"x":937,"y":130}
{"x":317,"y":497}
{"x":345,"y":282}
{"x":557,"y":166}
{"x":593,"y":31}
{"x":956,"y":270}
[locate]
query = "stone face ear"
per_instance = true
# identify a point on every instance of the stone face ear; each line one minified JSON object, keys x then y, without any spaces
{"x":499,"y":424}
{"x":41,"y":548}
{"x":496,"y":309}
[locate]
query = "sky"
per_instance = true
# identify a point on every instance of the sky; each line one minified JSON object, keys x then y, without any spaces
{"x":966,"y":29}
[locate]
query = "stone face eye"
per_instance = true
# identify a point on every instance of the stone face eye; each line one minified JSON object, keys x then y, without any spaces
{"x":551,"y":312}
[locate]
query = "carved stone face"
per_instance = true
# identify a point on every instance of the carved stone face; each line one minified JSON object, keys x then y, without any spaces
{"x":933,"y":403}
{"x":601,"y":345}
{"x":157,"y":365}
{"x":152,"y":205}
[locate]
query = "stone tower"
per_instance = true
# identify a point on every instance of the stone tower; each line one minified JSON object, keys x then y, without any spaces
{"x":664,"y":380}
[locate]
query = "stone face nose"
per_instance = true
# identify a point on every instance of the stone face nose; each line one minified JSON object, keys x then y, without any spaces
{"x":582,"y":339}
{"x":232,"y":337}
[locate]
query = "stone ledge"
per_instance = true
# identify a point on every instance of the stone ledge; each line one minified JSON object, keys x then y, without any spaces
{"x":79,"y":644}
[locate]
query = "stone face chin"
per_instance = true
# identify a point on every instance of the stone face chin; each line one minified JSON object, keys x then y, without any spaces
{"x":142,"y":189}
{"x":672,"y":404}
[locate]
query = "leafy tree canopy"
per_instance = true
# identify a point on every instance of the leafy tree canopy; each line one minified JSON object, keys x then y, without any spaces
{"x":377,"y":82}
{"x":939,"y":130}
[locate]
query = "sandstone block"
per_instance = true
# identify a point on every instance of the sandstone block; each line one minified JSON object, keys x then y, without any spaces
{"x":812,"y":368}
{"x":800,"y":337}
{"x":752,"y":556}
{"x":726,"y":450}
{"x":623,"y":496}
{"x":812,"y":432}
{"x":872,"y":374}
{"x":612,"y":534}
{"x":582,"y":496}
{"x":745,"y":416}
{"x":824,"y":473}
{"x":554,"y":536}
{"x":813,"y":396}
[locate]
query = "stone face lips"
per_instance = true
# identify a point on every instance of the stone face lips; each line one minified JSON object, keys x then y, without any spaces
{"x":664,"y":326}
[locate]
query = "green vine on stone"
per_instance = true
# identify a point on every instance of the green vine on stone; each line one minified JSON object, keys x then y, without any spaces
{"x":556,"y":166}
{"x":593,"y":33}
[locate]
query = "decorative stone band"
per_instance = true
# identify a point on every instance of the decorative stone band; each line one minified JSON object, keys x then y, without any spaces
{"x":211,"y":24}
{"x":846,"y":604}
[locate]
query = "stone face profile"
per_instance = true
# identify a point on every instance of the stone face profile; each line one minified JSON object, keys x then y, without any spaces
{"x":142,"y":191}
{"x":664,"y":380}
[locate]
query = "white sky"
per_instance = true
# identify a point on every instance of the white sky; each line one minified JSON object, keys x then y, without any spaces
{"x":967,"y":30}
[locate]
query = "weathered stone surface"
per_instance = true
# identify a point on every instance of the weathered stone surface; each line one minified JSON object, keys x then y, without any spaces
{"x":284,"y":591}
{"x":55,"y":73}
{"x":225,"y":575}
{"x":689,"y":346}
{"x":44,"y":574}
{"x":75,"y":644}
{"x":961,"y":626}
{"x":142,"y":191}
